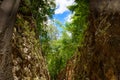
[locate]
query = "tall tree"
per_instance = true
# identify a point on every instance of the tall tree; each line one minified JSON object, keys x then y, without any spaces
{"x":8,"y":9}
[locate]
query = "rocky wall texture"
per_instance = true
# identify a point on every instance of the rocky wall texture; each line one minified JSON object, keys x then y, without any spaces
{"x":28,"y":61}
{"x":99,"y":58}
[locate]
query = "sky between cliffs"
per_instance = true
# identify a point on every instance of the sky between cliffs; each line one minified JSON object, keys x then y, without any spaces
{"x":62,"y":13}
{"x":61,"y":6}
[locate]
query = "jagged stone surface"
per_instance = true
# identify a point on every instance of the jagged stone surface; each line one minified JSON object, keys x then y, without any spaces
{"x":28,"y":61}
{"x":99,"y":58}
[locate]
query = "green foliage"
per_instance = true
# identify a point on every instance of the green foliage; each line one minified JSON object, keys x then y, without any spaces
{"x":36,"y":13}
{"x":72,"y":36}
{"x":40,"y":10}
{"x":57,"y":49}
{"x":54,"y":61}
{"x":61,"y":49}
{"x":45,"y":9}
{"x":79,"y":21}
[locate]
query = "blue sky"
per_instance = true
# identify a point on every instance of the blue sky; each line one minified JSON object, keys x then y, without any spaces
{"x":61,"y":6}
{"x":62,"y":13}
{"x":62,"y":18}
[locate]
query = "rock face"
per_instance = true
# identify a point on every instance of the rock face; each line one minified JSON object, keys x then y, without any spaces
{"x":24,"y":60}
{"x":28,"y":61}
{"x":104,"y":43}
{"x":68,"y":72}
{"x":99,"y":58}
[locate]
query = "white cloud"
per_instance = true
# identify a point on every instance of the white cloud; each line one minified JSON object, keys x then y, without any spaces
{"x":68,"y":18}
{"x":61,"y":5}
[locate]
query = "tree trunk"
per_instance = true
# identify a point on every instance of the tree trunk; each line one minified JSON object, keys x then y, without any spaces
{"x":8,"y":9}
